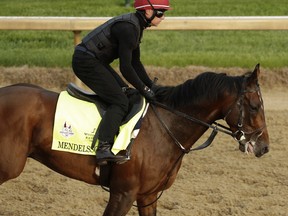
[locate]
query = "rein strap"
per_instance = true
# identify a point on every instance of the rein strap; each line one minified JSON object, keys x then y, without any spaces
{"x":216,"y":125}
{"x":204,"y":145}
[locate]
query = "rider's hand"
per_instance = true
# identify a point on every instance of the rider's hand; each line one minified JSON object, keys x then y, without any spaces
{"x":148,"y":94}
{"x":155,"y":88}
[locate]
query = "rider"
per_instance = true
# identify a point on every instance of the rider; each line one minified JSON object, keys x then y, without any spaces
{"x":119,"y":37}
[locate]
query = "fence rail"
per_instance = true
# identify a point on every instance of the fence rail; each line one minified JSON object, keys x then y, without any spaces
{"x":78,"y":24}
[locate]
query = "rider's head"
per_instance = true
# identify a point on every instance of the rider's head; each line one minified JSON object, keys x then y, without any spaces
{"x":153,"y":9}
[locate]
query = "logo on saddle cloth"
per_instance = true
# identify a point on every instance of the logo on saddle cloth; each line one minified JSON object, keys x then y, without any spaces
{"x":76,"y":122}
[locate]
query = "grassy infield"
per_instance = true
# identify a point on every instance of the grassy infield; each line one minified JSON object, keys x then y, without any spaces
{"x":161,"y":48}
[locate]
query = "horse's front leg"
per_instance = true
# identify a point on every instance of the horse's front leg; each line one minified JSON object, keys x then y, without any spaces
{"x":119,"y":203}
{"x":147,"y":206}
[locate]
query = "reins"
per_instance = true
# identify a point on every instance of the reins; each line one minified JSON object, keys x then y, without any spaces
{"x":214,"y":126}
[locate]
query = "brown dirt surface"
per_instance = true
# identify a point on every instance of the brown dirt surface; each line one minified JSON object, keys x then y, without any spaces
{"x":219,"y":180}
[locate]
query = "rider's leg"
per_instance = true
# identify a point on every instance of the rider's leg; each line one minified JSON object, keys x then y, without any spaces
{"x":101,"y":79}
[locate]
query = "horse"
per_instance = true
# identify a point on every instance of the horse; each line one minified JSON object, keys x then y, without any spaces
{"x":170,"y":128}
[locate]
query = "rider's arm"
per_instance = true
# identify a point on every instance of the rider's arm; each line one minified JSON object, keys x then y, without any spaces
{"x":126,"y":35}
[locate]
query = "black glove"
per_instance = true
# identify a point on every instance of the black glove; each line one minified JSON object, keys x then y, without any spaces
{"x":128,"y":91}
{"x":148,"y":94}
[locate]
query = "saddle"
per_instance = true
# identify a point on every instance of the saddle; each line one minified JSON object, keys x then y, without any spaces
{"x":135,"y":100}
{"x":135,"y":105}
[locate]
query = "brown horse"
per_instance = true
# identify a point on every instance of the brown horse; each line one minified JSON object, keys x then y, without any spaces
{"x":168,"y":131}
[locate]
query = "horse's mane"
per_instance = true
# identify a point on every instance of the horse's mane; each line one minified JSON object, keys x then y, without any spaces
{"x":206,"y":86}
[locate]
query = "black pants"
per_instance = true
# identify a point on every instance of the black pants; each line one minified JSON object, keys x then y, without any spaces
{"x":105,"y":82}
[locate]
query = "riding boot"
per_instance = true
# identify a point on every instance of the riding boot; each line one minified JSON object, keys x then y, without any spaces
{"x":104,"y":154}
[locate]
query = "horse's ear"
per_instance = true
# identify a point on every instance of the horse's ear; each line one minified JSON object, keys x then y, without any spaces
{"x":255,"y":74}
{"x":257,"y":69}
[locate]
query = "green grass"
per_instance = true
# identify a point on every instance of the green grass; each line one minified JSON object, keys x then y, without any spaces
{"x":115,"y":7}
{"x":38,"y":48}
{"x":161,"y":48}
{"x":218,"y":48}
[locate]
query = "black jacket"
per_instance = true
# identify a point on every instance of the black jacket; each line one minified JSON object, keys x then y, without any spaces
{"x":120,"y":37}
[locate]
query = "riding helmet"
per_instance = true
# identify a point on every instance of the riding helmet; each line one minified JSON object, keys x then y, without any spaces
{"x":152,"y":4}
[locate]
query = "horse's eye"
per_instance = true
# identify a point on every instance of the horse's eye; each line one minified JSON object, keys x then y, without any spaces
{"x":254,"y":108}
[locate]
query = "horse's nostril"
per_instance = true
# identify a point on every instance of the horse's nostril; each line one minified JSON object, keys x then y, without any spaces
{"x":262,"y":151}
{"x":265,"y":149}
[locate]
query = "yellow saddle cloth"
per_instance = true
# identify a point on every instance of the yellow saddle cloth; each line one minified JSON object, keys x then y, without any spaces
{"x":76,"y":122}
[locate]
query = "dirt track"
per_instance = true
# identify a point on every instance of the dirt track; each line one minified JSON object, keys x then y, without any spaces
{"x":219,"y":180}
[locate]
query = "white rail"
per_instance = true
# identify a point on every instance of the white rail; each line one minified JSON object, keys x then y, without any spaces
{"x":78,"y":24}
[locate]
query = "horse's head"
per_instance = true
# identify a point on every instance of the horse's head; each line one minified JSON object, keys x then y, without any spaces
{"x":246,"y":117}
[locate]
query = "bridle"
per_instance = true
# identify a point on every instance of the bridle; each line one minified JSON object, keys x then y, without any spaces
{"x":239,"y":135}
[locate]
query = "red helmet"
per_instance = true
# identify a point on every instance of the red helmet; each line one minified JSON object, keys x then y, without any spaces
{"x":157,"y":4}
